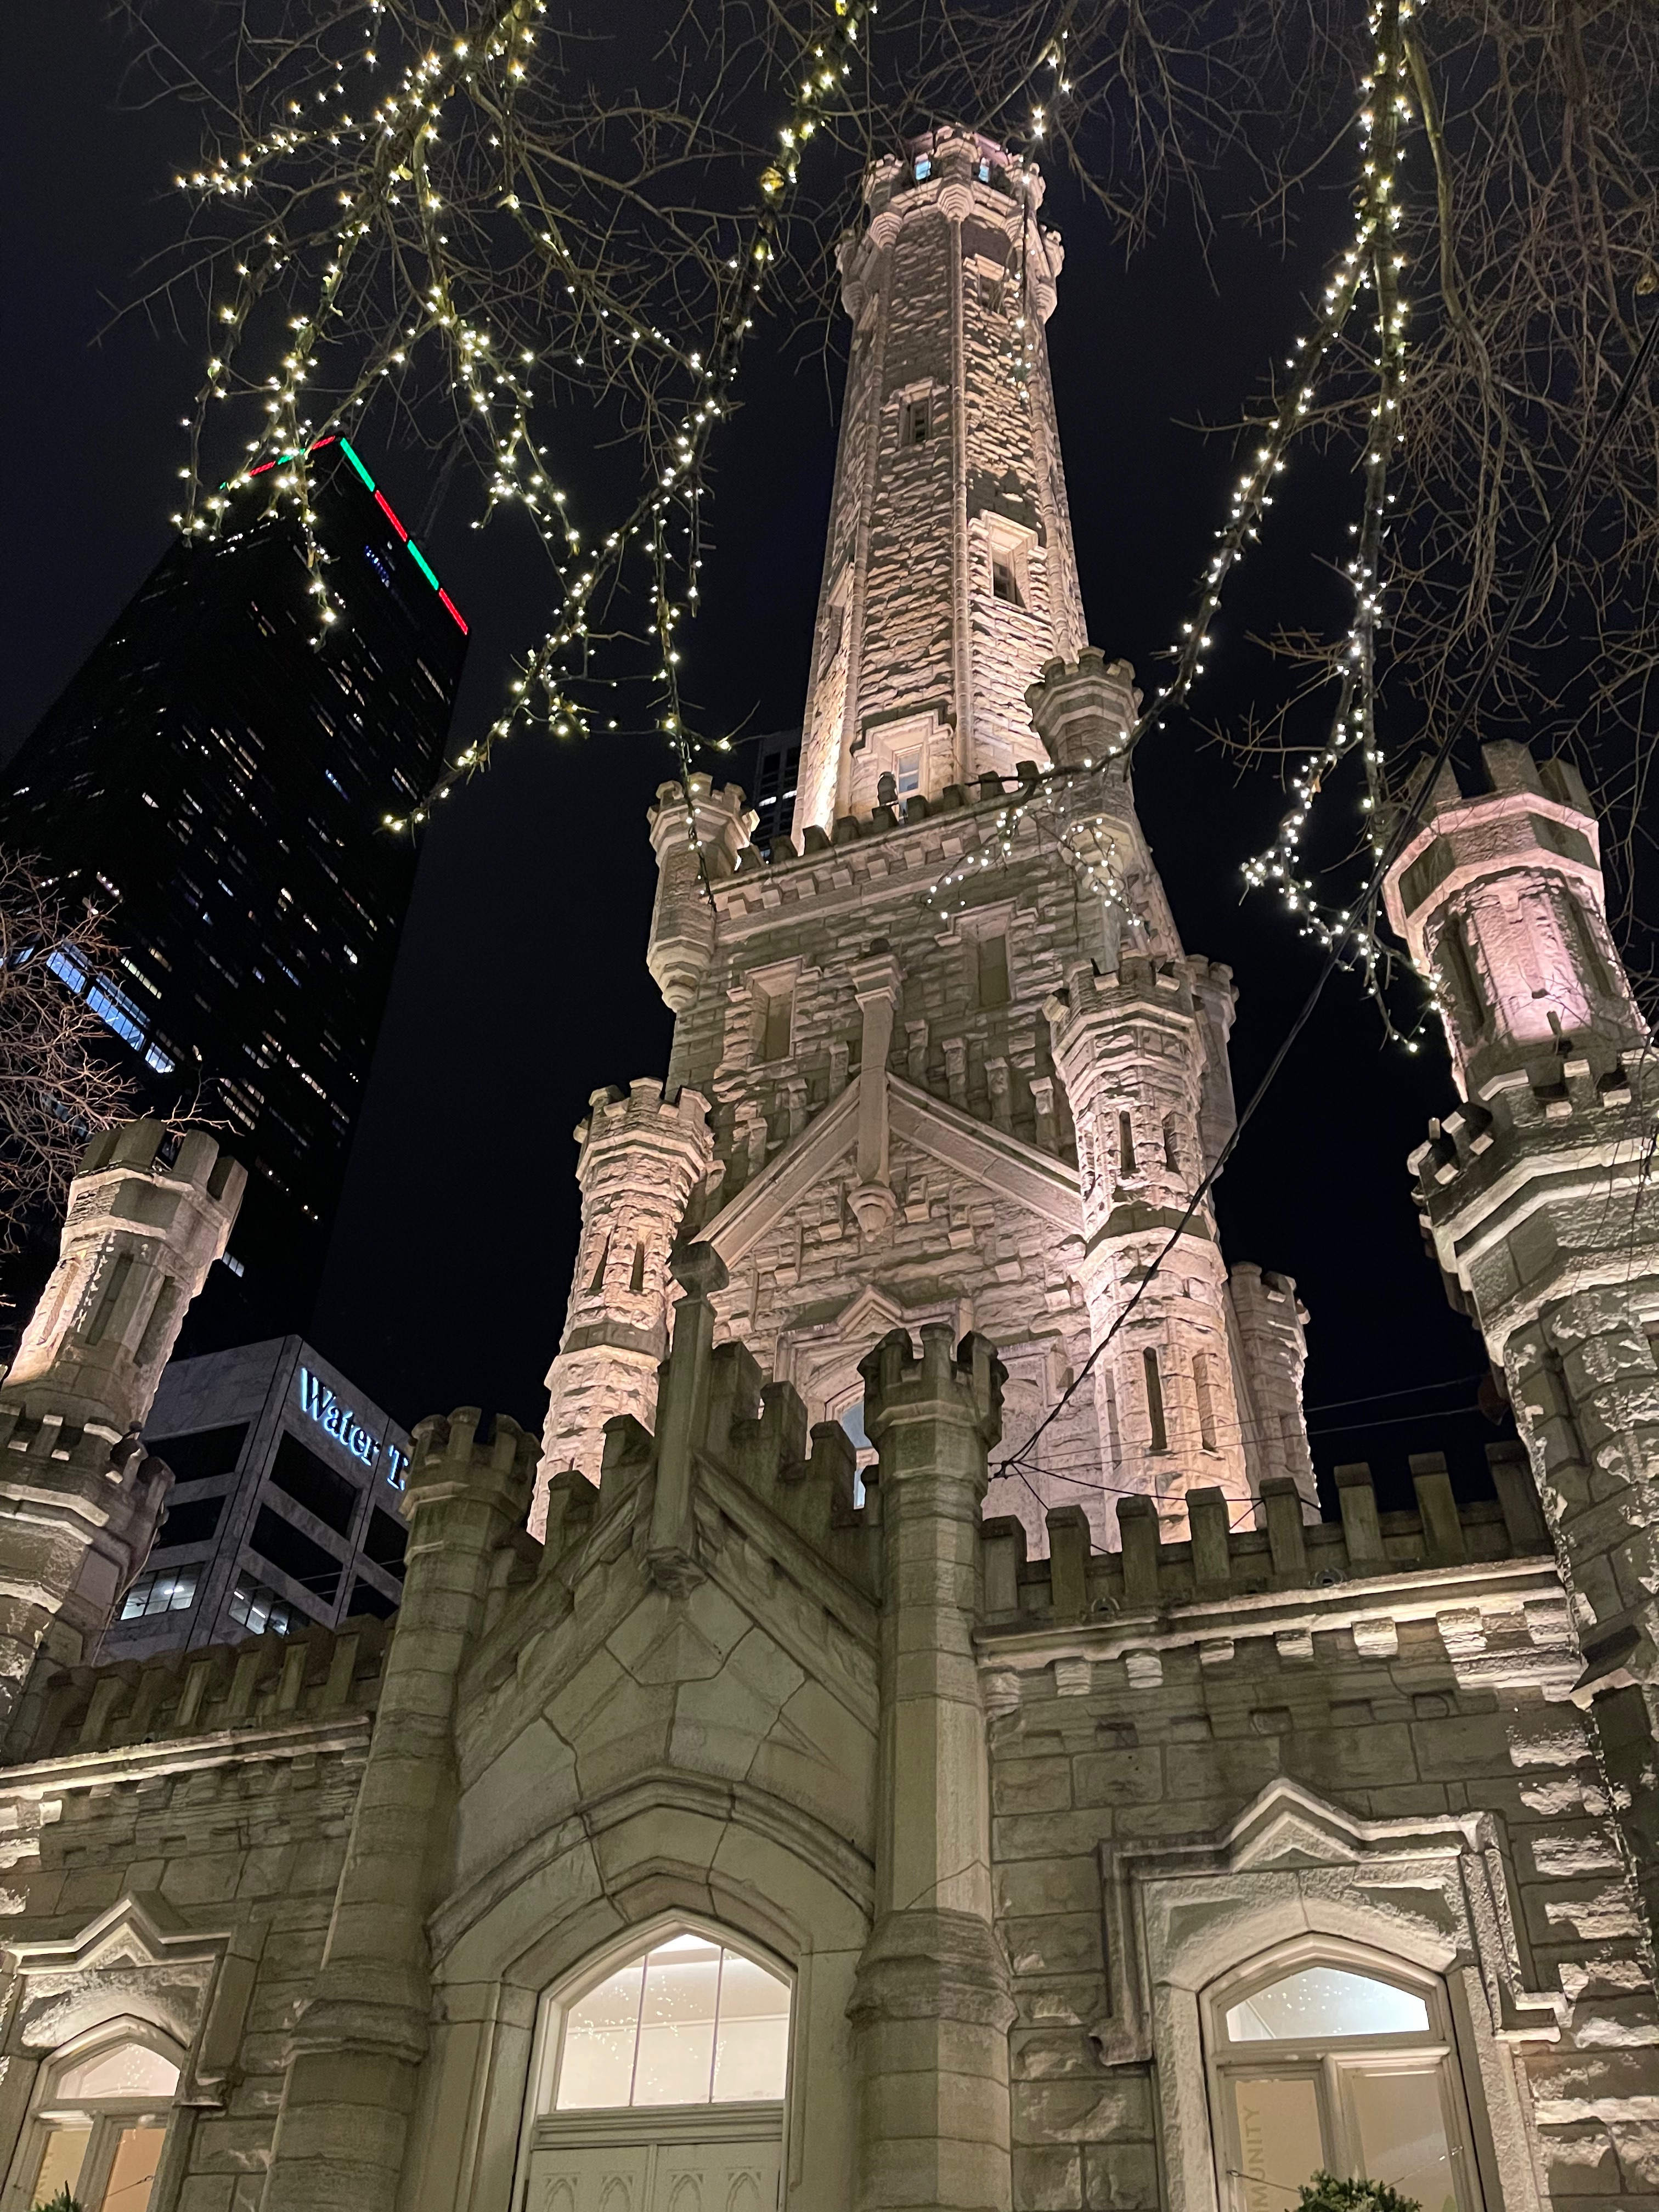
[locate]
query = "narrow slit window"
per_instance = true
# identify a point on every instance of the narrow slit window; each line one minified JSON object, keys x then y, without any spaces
{"x":992,"y":971}
{"x":1126,"y":1146}
{"x":598,"y":1283}
{"x":1172,"y":1144}
{"x":777,"y":1019}
{"x":636,"y":1277}
{"x":907,"y":770}
{"x":1155,"y":1401}
{"x":918,"y":423}
{"x":1205,"y":1402}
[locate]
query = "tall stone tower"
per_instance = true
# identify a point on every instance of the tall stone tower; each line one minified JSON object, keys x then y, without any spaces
{"x":1539,"y":1197}
{"x":944,"y":1059}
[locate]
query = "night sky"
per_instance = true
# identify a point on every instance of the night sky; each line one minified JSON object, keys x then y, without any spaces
{"x":521,"y":983}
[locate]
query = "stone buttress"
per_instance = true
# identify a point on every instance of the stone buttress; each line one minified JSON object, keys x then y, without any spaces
{"x":1539,"y":1196}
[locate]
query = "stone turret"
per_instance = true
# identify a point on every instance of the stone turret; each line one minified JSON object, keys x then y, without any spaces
{"x":1539,"y":1196}
{"x":696,"y":833}
{"x":79,"y":1499}
{"x":1083,"y":712}
{"x":1132,"y":1050}
{"x":1500,"y":899}
{"x":642,"y":1157}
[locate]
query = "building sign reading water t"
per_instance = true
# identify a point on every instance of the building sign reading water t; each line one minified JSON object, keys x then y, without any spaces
{"x":319,"y":1403}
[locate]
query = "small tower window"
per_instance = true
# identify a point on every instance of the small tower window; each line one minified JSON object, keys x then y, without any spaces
{"x":991,"y":964}
{"x":1155,"y":1401}
{"x":916,"y":422}
{"x":1005,"y":579}
{"x":636,"y":1278}
{"x":1206,"y":1403}
{"x":1172,"y":1144}
{"x":777,"y":1021}
{"x":1126,"y":1146}
{"x":907,"y":770}
{"x":597,"y":1283}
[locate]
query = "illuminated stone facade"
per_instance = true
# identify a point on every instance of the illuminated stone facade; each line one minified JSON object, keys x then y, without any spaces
{"x":892,"y":1100}
{"x":736,"y":1841}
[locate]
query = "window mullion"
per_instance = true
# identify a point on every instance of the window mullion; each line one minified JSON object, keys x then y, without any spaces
{"x":714,"y":2036}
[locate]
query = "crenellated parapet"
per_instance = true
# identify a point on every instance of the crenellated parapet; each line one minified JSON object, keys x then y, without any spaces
{"x":1084,"y":710}
{"x":715,"y":1434}
{"x":697,"y":833}
{"x":642,"y":1156}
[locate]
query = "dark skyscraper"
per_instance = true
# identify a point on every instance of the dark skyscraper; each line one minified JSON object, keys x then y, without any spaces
{"x":214,"y":781}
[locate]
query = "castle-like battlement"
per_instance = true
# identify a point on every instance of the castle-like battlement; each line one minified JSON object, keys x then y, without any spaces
{"x":1342,"y":1565}
{"x":228,"y":1692}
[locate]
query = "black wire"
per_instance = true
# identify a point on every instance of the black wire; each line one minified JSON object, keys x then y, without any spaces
{"x":1392,"y":846}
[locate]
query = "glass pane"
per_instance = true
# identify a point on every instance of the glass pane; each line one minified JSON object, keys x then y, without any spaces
{"x":677,"y":2023}
{"x":60,"y":2169}
{"x":1280,"y":2145}
{"x":137,"y":2154}
{"x":1322,"y":2001}
{"x":751,"y":2048}
{"x":124,"y":2069}
{"x":598,"y":2068}
{"x":1403,"y":2134}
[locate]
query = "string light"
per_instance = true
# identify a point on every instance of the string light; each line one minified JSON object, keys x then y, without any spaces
{"x":1354,"y":729}
{"x":1077,"y":839}
{"x":394,"y":135}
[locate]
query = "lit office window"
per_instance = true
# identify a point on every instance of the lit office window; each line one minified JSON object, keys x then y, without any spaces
{"x":164,"y":1590}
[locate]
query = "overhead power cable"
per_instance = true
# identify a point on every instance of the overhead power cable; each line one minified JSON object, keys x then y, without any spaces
{"x":1392,"y":846}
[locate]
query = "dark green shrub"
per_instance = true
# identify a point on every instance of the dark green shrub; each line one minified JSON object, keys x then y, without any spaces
{"x":1326,"y":2193}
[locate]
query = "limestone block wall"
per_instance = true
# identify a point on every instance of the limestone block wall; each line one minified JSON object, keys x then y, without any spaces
{"x":1179,"y":1731}
{"x":201,"y":1805}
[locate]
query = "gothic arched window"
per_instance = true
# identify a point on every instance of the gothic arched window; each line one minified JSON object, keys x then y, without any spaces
{"x":689,"y":2022}
{"x":1326,"y":2058}
{"x":671,"y":2064}
{"x":100,"y":2118}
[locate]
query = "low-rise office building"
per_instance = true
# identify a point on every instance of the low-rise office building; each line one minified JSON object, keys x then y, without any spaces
{"x":283,"y":1511}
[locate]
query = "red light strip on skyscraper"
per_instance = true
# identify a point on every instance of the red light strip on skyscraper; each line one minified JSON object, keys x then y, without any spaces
{"x":384,"y":506}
